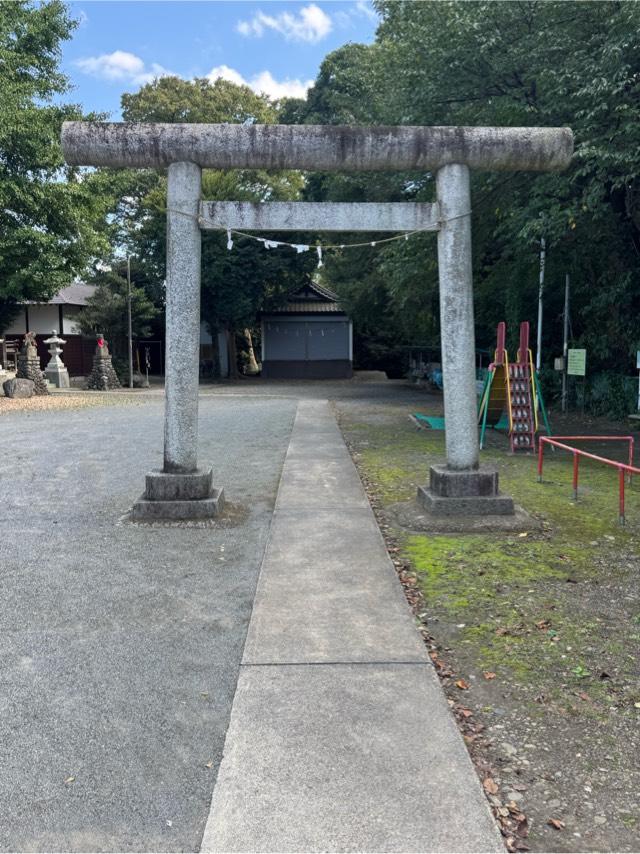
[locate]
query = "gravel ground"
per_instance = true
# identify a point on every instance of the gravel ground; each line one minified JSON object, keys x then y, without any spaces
{"x":56,"y":401}
{"x":121,"y":643}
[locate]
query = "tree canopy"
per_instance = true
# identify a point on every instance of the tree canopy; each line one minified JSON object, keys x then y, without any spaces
{"x":513,"y":64}
{"x":52,"y":218}
{"x":106,"y":311}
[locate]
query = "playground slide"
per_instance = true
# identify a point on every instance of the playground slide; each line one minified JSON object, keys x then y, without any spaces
{"x":512,"y":394}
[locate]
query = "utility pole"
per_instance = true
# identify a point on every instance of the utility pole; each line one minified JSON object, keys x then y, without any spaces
{"x":565,"y":343}
{"x":540,"y":292}
{"x":129,"y":321}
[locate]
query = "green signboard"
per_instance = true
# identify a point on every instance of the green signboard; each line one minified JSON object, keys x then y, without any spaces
{"x":577,"y":363}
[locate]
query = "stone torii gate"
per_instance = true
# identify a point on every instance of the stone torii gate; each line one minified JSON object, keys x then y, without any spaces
{"x":184,"y":491}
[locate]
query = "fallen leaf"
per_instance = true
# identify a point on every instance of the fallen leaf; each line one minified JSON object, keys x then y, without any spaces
{"x":489,"y":675}
{"x":490,"y":786}
{"x":466,"y":713}
{"x":543,"y":624}
{"x":585,"y":696}
{"x":555,"y":822}
{"x":462,"y":685}
{"x":209,"y":765}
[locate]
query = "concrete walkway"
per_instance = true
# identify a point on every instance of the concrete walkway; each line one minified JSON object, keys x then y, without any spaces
{"x":340,"y":737}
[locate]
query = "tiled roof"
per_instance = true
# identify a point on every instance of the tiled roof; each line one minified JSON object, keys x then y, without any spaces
{"x":319,"y":292}
{"x":75,"y":294}
{"x":310,"y":298}
{"x":309,"y":307}
{"x":324,"y":292}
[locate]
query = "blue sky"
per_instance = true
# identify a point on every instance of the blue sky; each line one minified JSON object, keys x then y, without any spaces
{"x":276,"y":47}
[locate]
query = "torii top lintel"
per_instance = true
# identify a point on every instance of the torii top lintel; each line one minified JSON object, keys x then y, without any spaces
{"x":326,"y":148}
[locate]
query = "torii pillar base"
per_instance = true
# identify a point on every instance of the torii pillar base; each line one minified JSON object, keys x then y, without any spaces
{"x":464,"y":493}
{"x":178,"y":497}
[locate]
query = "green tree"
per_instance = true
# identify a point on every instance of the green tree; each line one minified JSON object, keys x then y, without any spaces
{"x":236,"y":285}
{"x":538,"y":63}
{"x":51,"y":217}
{"x":514,"y":64}
{"x":172,"y":99}
{"x":106,"y":311}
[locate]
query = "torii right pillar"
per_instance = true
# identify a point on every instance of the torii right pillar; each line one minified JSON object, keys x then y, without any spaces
{"x":461,"y":486}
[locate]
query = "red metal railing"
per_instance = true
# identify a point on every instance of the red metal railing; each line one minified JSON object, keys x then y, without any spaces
{"x":577,"y":453}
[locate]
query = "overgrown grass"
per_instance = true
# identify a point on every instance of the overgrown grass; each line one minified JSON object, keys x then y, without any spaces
{"x":524,"y":605}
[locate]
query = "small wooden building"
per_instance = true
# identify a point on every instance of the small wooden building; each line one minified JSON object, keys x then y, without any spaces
{"x":310,"y":337}
{"x":60,"y":313}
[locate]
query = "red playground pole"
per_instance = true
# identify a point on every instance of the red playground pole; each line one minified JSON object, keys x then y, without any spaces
{"x":500,"y":342}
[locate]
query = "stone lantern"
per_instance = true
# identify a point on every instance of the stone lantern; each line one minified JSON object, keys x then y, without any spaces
{"x":55,"y":371}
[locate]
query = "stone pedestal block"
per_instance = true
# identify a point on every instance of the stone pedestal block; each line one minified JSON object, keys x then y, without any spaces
{"x":58,"y":376}
{"x":29,"y":365}
{"x":178,"y":497}
{"x":465,"y":492}
{"x":194,"y":486}
{"x":103,"y":376}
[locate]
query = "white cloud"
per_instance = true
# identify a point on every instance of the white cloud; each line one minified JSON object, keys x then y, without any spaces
{"x":124,"y":67}
{"x":227,"y":73}
{"x":311,"y":24}
{"x":364,"y":7}
{"x":264,"y":82}
{"x":121,"y":66}
{"x":351,"y":16}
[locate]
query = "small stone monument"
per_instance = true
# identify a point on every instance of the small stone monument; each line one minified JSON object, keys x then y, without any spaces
{"x":29,"y":364}
{"x":55,"y":371}
{"x":103,"y":376}
{"x":18,"y":388}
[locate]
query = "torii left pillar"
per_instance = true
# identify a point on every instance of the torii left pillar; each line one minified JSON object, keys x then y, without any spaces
{"x":181,"y":490}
